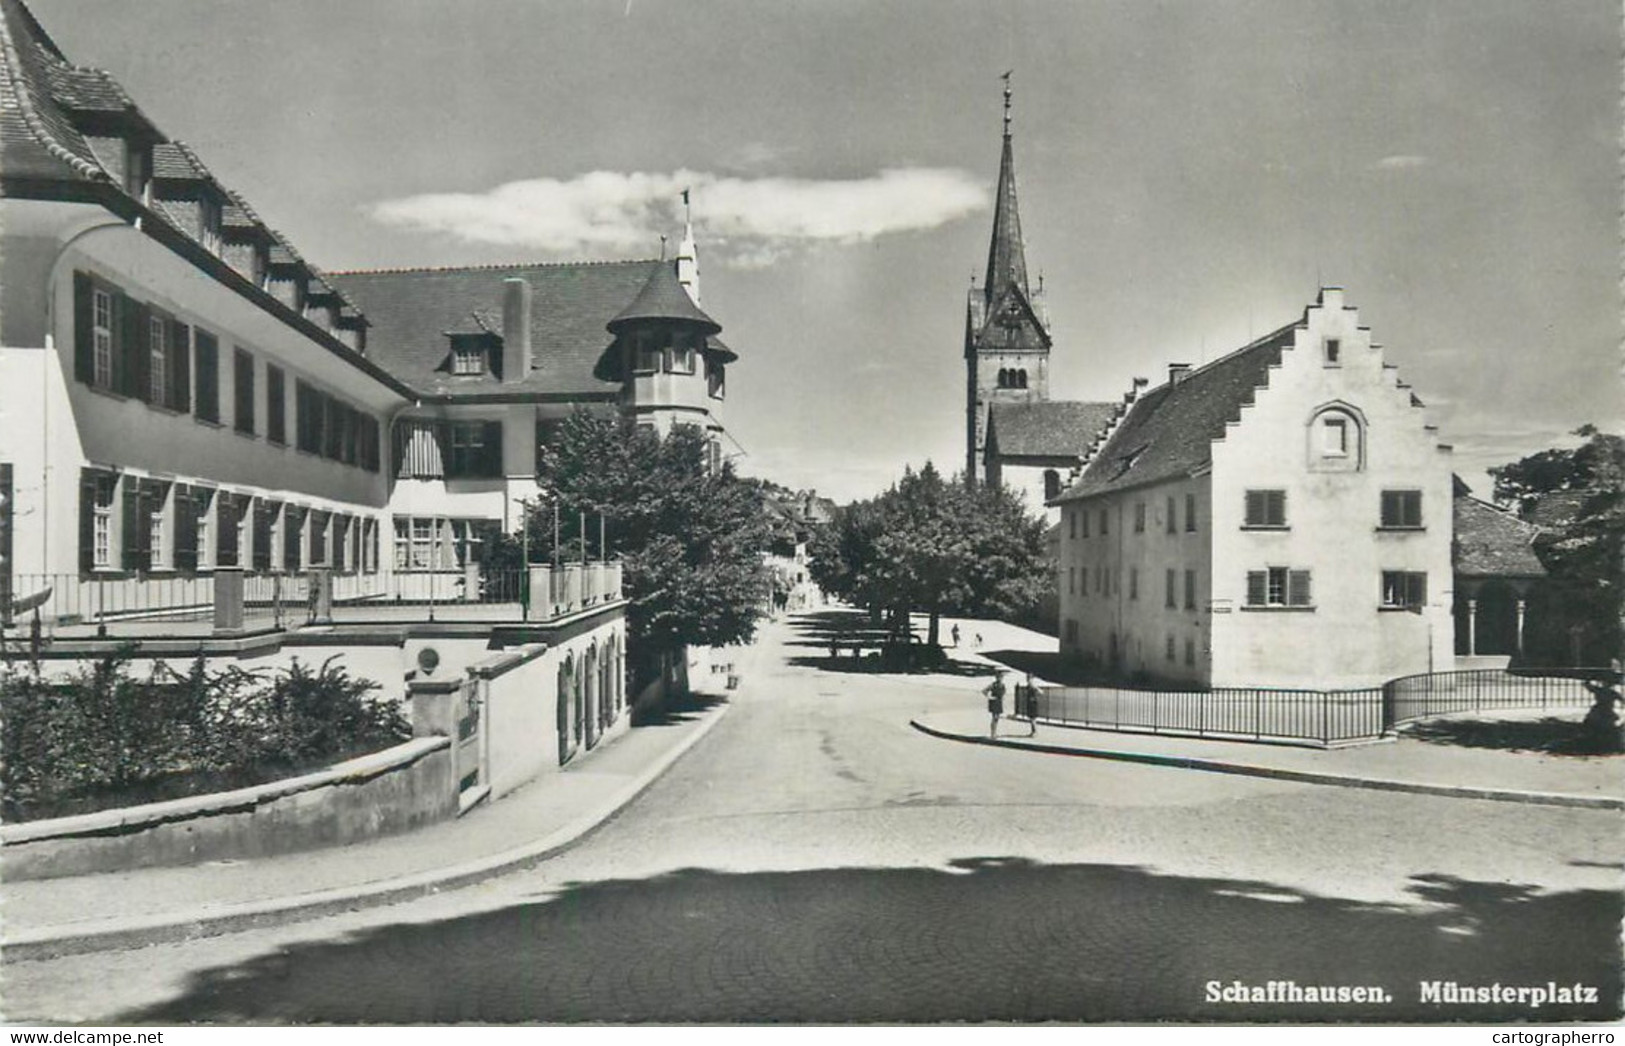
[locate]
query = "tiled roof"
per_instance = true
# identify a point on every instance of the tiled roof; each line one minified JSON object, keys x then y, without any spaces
{"x":663,"y":298}
{"x":1492,"y":543}
{"x":37,"y":140}
{"x":1056,"y":429}
{"x":1169,"y":430}
{"x":176,"y":162}
{"x":412,"y":309}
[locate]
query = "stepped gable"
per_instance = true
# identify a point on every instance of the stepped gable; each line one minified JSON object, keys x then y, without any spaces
{"x":1168,"y":431}
{"x":411,"y":310}
{"x":1490,"y":542}
{"x":1053,"y":429}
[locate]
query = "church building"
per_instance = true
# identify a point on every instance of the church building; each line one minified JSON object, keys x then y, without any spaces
{"x":1015,"y":435}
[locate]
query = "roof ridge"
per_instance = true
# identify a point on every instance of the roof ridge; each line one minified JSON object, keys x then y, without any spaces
{"x":488,"y":267}
{"x":1254,"y":344}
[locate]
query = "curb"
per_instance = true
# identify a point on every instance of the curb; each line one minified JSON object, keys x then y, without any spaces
{"x":1380,"y":784}
{"x":118,"y":934}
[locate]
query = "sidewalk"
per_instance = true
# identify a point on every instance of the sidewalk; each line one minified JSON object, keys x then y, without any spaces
{"x":50,"y":917}
{"x":1404,"y":765}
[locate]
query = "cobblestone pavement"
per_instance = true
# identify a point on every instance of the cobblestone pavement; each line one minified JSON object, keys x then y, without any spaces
{"x":815,"y":859}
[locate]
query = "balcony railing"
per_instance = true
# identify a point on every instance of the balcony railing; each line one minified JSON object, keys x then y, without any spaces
{"x":72,"y":605}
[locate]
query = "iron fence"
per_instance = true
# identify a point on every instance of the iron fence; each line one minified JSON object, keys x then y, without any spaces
{"x":1488,"y":689}
{"x":1322,"y":717}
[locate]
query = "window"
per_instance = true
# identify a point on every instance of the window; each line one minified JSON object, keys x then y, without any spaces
{"x":1265,"y":508}
{"x":716,"y":378}
{"x":1402,"y":509}
{"x":99,"y":489}
{"x":1190,"y":590}
{"x":1071,"y":580}
{"x":1173,"y":523}
{"x":1169,"y":581}
{"x":267,"y":515}
{"x":467,"y":357}
{"x":1278,"y":587}
{"x":1052,"y":484}
{"x":1190,"y":513}
{"x":1334,"y":352}
{"x":1404,"y":589}
{"x":475,"y":450}
{"x":209,"y":222}
{"x":680,"y":357}
{"x":242,"y":375}
{"x":1334,"y":436}
{"x":646,"y":353}
{"x":1103,"y":530}
{"x":199,"y":512}
{"x":316,"y":555}
{"x":1139,"y":517}
{"x":1170,"y":647}
{"x":1134,"y":582}
{"x":1190,"y":651}
{"x":157,"y":537}
{"x":102,"y":339}
{"x":158,"y":365}
{"x":206,"y":362}
{"x":1085,"y":514}
{"x":1071,"y":525}
{"x":276,"y":406}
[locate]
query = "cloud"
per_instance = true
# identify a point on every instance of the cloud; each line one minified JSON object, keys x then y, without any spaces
{"x":746,"y":221}
{"x":1401,"y":162}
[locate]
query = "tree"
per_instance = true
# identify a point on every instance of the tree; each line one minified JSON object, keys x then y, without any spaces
{"x":933,"y":546}
{"x":1579,"y":494}
{"x":690,"y":538}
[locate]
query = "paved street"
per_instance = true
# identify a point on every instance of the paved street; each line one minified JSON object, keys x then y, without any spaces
{"x":815,"y":859}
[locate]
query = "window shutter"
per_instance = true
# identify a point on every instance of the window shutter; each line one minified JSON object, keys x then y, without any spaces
{"x":1257,"y":587}
{"x":137,"y":351}
{"x":130,"y":534}
{"x":1255,"y":507}
{"x":180,"y":366}
{"x":491,"y":438}
{"x":1298,"y":590}
{"x":1277,"y":508}
{"x":84,"y":335}
{"x":1390,"y":511}
{"x":87,"y":521}
{"x":185,"y":529}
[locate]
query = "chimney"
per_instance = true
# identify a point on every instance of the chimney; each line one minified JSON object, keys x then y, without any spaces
{"x":515,"y":329}
{"x":1139,"y":386}
{"x":1178,"y":372}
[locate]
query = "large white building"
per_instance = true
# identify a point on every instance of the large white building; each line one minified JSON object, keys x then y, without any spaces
{"x":1278,"y":517}
{"x":181,"y":391}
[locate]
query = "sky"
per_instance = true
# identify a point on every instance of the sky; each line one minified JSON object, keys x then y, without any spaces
{"x":1189,"y":174}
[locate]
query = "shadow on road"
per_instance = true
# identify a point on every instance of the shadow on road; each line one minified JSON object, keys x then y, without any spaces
{"x":875,"y":664}
{"x":990,"y":938}
{"x":1552,"y":734}
{"x":679,"y":709}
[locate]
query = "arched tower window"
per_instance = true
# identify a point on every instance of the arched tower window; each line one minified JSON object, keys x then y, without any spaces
{"x":1021,"y":378}
{"x":1336,"y":438}
{"x":1004,"y":378}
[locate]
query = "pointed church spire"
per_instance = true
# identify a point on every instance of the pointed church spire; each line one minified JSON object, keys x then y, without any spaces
{"x":1006,"y":256}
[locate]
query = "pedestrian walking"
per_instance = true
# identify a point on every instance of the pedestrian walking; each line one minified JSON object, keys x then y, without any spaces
{"x":955,"y":633}
{"x":995,"y":702}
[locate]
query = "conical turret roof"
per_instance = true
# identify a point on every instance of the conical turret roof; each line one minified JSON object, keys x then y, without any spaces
{"x":663,"y":298}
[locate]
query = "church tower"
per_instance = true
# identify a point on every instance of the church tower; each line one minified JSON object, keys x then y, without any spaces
{"x":1007,"y":338}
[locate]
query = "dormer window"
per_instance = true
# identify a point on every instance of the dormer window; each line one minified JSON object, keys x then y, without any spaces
{"x":138,"y":170}
{"x":468,"y":357}
{"x":209,"y":222}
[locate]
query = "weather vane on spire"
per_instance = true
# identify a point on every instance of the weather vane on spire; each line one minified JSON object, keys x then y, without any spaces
{"x":1005,"y":76}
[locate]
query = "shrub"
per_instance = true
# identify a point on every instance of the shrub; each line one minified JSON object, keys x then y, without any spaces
{"x":102,"y":731}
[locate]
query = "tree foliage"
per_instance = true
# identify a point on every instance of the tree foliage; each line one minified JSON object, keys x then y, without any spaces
{"x":1582,"y":550}
{"x":690,"y":538}
{"x":936,"y":546}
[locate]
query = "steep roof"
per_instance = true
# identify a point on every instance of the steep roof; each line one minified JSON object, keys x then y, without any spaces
{"x":663,"y":298}
{"x":412,"y":309}
{"x":1490,"y":542}
{"x":1056,"y":429}
{"x":37,"y":137}
{"x":1169,"y":430}
{"x":1006,"y":252}
{"x":1559,"y":508}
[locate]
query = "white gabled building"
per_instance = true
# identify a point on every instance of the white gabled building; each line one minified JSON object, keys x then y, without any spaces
{"x":1278,"y":517}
